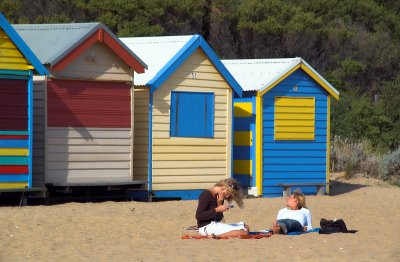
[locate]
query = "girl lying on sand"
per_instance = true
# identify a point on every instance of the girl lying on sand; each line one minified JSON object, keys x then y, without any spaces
{"x":295,"y":217}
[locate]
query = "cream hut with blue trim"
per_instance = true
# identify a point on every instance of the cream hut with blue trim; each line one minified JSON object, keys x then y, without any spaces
{"x":183,"y":116}
{"x":281,"y":126}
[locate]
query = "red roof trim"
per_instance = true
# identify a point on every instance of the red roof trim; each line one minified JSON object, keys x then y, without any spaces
{"x":103,"y":37}
{"x":75,"y":53}
{"x":123,"y":54}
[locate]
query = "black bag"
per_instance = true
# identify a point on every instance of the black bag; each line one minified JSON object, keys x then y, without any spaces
{"x":333,"y":226}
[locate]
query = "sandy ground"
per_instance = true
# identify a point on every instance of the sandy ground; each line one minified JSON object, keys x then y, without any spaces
{"x":138,"y":231}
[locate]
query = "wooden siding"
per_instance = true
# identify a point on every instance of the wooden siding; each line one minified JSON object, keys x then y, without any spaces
{"x":98,"y":62}
{"x":141,"y":134}
{"x":38,"y":162}
{"x":191,"y":163}
{"x":88,"y":155}
{"x":10,"y":56}
{"x":294,"y":118}
{"x":244,"y":141}
{"x":88,"y":104}
{"x":295,"y":160}
{"x":13,"y":104}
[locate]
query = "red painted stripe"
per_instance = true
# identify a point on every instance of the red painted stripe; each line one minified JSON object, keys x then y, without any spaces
{"x":13,"y":104}
{"x":24,"y":137}
{"x":88,"y":104}
{"x":14,"y":169}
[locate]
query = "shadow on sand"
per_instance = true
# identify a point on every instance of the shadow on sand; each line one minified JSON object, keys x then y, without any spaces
{"x":341,"y":187}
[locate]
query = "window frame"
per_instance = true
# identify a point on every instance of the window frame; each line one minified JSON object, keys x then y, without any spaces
{"x":177,"y":117}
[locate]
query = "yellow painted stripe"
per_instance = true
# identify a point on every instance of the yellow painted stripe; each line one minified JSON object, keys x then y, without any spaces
{"x":6,"y":44}
{"x":259,"y":170}
{"x":280,"y":116}
{"x":294,"y":136}
{"x":13,"y":185}
{"x":5,"y":60}
{"x":296,"y":123}
{"x":14,"y":152}
{"x":319,"y":81}
{"x":280,"y":80}
{"x":14,"y":66}
{"x":289,"y":109}
{"x":294,"y":101}
{"x":328,"y":144}
{"x":294,"y":129}
{"x":242,"y":167}
{"x":10,"y":52}
{"x":243,"y":109}
{"x":243,"y":138}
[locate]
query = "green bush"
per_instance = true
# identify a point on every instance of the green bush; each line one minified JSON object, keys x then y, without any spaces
{"x":390,"y":167}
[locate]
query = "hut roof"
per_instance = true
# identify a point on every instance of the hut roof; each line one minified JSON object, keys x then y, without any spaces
{"x":164,"y":54}
{"x":22,"y":46}
{"x":263,"y":74}
{"x":52,"y":43}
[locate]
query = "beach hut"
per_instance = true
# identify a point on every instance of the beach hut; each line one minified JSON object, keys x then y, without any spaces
{"x":282,"y":126}
{"x":84,"y":109}
{"x":183,"y":116}
{"x":17,"y":66}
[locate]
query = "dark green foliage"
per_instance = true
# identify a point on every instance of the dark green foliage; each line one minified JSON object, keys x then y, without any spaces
{"x":354,"y":44}
{"x":358,"y":118}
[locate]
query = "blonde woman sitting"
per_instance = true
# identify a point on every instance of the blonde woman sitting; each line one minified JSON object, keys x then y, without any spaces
{"x":295,"y":217}
{"x":211,"y":208}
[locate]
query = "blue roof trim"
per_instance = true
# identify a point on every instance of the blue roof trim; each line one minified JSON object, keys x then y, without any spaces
{"x":194,"y":42}
{"x":22,"y":47}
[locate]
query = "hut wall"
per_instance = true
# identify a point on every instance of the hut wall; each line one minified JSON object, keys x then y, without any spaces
{"x":11,"y":57}
{"x":98,"y":62}
{"x":293,"y":159}
{"x":244,"y":141}
{"x":141,"y":139}
{"x":183,"y":163}
{"x":38,"y":163}
{"x":14,"y":134}
{"x":89,"y":135}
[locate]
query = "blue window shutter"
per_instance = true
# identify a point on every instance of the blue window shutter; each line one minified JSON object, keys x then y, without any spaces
{"x":174,"y":103}
{"x":209,"y":115}
{"x":192,"y":114}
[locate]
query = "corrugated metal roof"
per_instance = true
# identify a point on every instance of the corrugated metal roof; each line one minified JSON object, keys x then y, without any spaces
{"x":260,"y":74}
{"x":155,"y":51}
{"x":256,"y":74}
{"x":22,"y":46}
{"x":50,"y":41}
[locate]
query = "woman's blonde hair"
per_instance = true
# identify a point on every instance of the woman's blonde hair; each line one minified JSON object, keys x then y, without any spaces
{"x":234,"y":189}
{"x":301,"y":199}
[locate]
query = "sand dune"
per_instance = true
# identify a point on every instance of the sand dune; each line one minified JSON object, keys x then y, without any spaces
{"x":137,"y":231}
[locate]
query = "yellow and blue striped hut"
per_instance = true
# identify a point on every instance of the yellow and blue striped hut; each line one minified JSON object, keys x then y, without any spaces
{"x":183,"y":116}
{"x":282,"y":125}
{"x":17,"y":66}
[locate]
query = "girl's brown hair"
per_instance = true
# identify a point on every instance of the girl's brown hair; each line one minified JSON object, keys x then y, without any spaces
{"x":234,"y":189}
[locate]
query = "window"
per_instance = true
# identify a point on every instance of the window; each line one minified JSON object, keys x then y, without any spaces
{"x":294,"y":118}
{"x":192,"y":114}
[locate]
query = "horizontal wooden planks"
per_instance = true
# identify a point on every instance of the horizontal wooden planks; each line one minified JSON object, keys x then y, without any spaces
{"x":88,"y":104}
{"x":176,"y":160}
{"x":76,"y":155}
